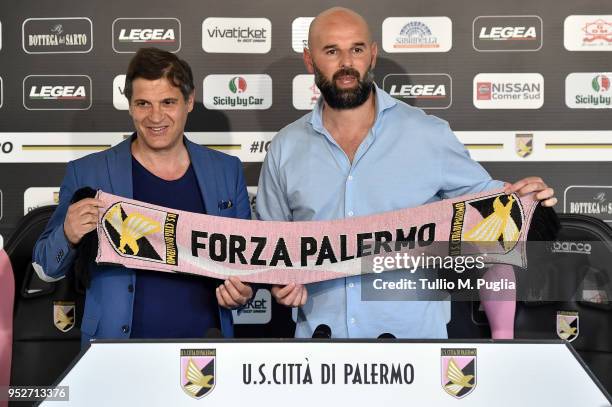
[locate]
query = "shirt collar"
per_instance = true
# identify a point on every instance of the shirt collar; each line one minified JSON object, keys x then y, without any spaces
{"x":383,"y":102}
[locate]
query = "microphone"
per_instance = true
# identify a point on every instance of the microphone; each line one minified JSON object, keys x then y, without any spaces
{"x":386,"y":335}
{"x":213,"y":333}
{"x":322,"y":332}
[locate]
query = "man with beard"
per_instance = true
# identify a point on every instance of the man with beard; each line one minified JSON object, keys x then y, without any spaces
{"x":361,"y":152}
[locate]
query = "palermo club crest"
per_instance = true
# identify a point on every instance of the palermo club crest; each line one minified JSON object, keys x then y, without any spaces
{"x":139,"y":232}
{"x":64,"y":315}
{"x":458,"y":371}
{"x":198,"y":371}
{"x":567,"y":325}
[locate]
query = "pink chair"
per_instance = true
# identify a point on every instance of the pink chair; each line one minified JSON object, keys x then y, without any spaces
{"x":7,"y":296}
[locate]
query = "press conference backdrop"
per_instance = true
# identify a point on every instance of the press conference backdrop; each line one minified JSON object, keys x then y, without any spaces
{"x":524,"y":84}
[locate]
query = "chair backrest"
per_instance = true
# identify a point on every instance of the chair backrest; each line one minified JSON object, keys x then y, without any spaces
{"x":581,"y":269}
{"x":46,"y":317}
{"x":7,"y":295}
{"x":578,"y":269}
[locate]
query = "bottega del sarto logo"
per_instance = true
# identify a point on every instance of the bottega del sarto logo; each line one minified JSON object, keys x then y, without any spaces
{"x":130,"y":34}
{"x":57,"y":92}
{"x":57,"y":35}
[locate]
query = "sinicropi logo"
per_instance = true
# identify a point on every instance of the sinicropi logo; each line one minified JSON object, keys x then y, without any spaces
{"x":571,"y":247}
{"x":130,"y":34}
{"x":57,"y":92}
{"x":588,"y":33}
{"x":237,"y":84}
{"x":57,"y":35}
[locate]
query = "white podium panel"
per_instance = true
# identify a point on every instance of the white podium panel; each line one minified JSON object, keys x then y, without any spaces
{"x":327,"y":373}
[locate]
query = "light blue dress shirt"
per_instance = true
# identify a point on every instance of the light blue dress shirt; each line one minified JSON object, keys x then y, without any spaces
{"x":407,"y":159}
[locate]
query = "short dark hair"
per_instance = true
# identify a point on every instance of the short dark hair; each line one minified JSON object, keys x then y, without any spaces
{"x":154,"y":63}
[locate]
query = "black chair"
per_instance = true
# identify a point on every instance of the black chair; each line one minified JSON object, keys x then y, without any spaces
{"x":47,"y":315}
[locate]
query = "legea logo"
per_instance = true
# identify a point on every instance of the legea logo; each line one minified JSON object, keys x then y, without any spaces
{"x":588,"y":90}
{"x":508,"y":91}
{"x":507,"y":33}
{"x":237,"y":92}
{"x":427,"y":91}
{"x":57,"y":92}
{"x":237,"y":35}
{"x":130,"y":34}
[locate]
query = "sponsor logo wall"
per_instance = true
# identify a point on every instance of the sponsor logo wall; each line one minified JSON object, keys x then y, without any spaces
{"x":57,"y":69}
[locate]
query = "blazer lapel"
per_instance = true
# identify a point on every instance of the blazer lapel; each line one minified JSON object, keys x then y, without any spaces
{"x":205,"y":171}
{"x":120,"y":168}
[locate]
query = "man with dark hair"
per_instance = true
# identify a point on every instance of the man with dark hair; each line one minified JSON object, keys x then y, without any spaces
{"x":158,"y":165}
{"x":361,"y":152}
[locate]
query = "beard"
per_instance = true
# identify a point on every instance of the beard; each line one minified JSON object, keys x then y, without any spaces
{"x":338,"y":98}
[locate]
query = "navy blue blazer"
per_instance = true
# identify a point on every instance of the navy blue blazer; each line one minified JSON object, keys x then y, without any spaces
{"x":109,"y":302}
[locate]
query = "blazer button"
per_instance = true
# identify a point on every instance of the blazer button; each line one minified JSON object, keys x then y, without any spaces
{"x":125,"y":329}
{"x":131,"y":288}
